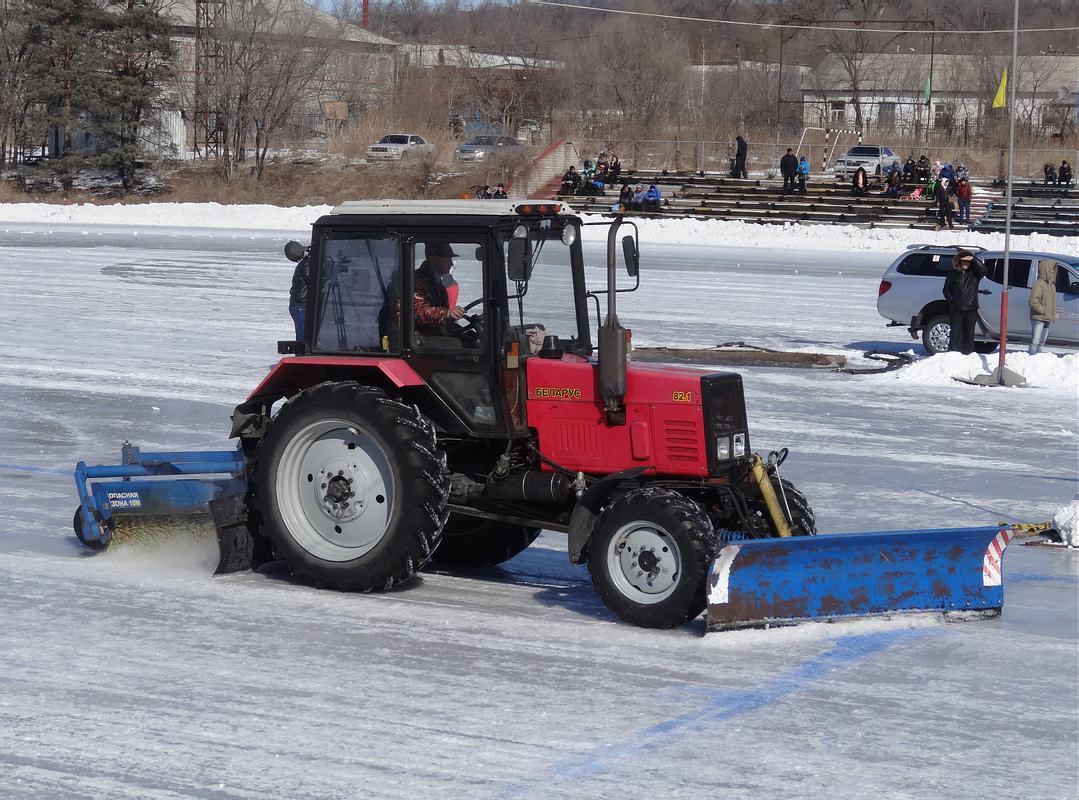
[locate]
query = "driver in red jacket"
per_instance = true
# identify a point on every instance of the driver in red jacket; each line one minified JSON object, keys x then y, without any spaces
{"x":431,"y":300}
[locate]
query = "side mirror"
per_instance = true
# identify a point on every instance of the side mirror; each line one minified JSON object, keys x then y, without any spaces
{"x":519,"y":260}
{"x":294,"y":251}
{"x":629,"y":251}
{"x":1074,"y":288}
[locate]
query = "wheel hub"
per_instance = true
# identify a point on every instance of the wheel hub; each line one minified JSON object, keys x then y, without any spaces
{"x":644,"y":562}
{"x":335,"y":486}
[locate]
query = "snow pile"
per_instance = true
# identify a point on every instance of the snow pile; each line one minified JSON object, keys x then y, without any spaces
{"x":666,"y":231}
{"x":178,"y":215}
{"x":1043,"y":371}
{"x":1066,"y":521}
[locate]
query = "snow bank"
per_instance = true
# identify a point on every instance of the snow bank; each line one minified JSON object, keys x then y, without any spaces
{"x":178,"y":215}
{"x":1066,"y":521}
{"x":1043,"y":371}
{"x":710,"y":233}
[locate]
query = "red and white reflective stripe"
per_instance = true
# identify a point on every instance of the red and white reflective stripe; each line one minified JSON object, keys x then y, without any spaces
{"x":719,"y":587}
{"x":994,"y":555}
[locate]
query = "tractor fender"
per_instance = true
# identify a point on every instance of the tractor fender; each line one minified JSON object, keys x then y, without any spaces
{"x":291,"y":375}
{"x":585,"y":513}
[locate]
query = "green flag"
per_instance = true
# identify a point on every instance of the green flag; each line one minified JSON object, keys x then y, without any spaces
{"x":928,"y":91}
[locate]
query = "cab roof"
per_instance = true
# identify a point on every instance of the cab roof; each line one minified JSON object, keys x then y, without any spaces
{"x":472,"y":208}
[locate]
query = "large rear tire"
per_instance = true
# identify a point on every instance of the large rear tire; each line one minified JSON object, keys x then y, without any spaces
{"x":350,"y":487}
{"x":476,"y":543}
{"x":649,"y":556}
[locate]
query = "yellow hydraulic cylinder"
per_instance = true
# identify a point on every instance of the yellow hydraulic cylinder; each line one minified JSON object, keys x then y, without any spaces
{"x":771,"y":502}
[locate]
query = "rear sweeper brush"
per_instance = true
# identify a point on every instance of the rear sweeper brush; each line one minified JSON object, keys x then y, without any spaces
{"x":408,"y":427}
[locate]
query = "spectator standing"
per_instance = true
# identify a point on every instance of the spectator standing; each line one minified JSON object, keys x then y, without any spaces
{"x":571,"y":180}
{"x":1050,"y":175}
{"x":859,"y":184}
{"x":943,"y":198}
{"x":1043,"y":305}
{"x":1064,"y":175}
{"x":614,"y":169}
{"x":961,"y":292}
{"x":653,"y":198}
{"x":741,"y":152}
{"x":301,"y":276}
{"x":910,"y":170}
{"x":963,"y":194}
{"x":788,"y":168}
{"x":500,"y":192}
{"x":803,"y":174}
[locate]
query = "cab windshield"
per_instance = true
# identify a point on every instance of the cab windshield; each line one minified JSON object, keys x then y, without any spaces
{"x":545,"y":304}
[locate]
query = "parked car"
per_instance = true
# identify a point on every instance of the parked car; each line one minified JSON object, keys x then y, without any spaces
{"x":911,"y":294}
{"x":398,"y":146}
{"x":874,"y":159}
{"x":489,"y":148}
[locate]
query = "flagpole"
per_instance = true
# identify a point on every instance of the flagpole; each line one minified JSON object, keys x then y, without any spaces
{"x":1008,"y":203}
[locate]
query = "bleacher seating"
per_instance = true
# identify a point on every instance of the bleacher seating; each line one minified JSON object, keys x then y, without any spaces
{"x":716,"y":196}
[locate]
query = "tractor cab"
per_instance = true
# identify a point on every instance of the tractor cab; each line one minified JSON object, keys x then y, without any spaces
{"x":464,"y":292}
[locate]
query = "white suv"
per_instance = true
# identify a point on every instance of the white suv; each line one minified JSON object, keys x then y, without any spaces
{"x":874,"y":159}
{"x":911,"y":294}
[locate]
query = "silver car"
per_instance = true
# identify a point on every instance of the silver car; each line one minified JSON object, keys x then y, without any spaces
{"x":874,"y":159}
{"x":399,"y":146}
{"x":911,"y":294}
{"x":489,"y":148}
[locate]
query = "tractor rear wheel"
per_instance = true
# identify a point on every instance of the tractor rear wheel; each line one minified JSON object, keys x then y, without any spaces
{"x":350,"y":487}
{"x":477,"y":543}
{"x":649,"y":556}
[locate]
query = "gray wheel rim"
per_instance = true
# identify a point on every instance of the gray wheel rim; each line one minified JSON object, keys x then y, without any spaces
{"x":644,"y":562}
{"x":940,"y":337}
{"x":335,"y":490}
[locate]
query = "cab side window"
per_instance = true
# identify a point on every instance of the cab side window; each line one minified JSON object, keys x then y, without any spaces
{"x":358,"y":277}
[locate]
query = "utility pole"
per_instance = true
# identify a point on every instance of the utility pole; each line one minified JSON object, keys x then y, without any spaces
{"x":929,"y":99}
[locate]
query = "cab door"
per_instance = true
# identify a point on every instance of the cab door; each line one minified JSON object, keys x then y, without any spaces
{"x":990,"y":289}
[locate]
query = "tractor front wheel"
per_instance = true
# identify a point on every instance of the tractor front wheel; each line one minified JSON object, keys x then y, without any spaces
{"x":649,"y":556}
{"x":477,"y":543}
{"x":350,"y":487}
{"x":802,"y":520}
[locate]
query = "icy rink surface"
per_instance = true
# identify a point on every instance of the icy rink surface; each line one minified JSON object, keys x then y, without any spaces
{"x":137,"y":675}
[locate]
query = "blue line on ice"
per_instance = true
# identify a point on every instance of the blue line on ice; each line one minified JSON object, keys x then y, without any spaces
{"x":723,"y":706}
{"x":38,"y":470}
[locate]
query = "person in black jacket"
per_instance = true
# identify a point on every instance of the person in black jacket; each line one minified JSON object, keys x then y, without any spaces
{"x":740,"y":153}
{"x":301,"y":276}
{"x":942,"y":196}
{"x":571,"y":181}
{"x":788,"y":168}
{"x":961,"y":292}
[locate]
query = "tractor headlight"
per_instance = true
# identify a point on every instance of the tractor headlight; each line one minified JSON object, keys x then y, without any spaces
{"x":723,"y":448}
{"x":739,"y":445}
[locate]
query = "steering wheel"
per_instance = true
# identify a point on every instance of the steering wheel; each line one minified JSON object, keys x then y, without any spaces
{"x":471,"y":322}
{"x":475,"y":302}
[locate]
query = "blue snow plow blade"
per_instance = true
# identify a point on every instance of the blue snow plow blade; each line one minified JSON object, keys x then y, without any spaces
{"x":765,"y":582}
{"x":154,"y":483}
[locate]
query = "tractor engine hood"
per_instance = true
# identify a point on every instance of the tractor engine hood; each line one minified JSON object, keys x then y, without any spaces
{"x":683,"y":421}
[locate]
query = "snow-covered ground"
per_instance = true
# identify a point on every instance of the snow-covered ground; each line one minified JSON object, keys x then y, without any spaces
{"x":137,"y":674}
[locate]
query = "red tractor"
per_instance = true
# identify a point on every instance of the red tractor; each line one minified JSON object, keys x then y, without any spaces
{"x":447,"y":403}
{"x":402,"y":439}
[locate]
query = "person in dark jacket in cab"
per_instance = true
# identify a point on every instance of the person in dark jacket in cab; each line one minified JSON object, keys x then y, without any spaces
{"x":961,"y":292}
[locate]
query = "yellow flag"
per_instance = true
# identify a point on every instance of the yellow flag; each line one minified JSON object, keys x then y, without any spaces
{"x":999,"y":101}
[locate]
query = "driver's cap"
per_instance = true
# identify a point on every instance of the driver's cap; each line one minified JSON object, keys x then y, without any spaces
{"x":438,"y":250}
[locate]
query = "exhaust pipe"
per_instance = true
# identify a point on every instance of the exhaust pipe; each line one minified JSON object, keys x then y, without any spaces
{"x":613,"y":343}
